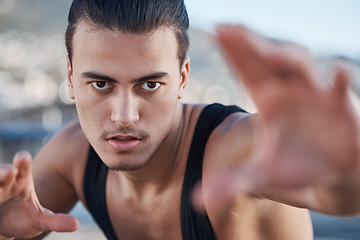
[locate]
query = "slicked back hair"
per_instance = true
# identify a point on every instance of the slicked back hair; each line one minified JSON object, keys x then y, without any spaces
{"x":131,"y":16}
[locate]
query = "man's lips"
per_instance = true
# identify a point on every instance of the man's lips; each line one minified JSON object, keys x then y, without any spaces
{"x":124,"y":138}
{"x":124,"y":143}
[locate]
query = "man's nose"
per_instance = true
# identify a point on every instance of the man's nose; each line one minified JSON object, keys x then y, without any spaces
{"x":125,"y":110}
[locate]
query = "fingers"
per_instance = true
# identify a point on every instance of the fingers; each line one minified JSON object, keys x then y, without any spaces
{"x":20,"y":169}
{"x":262,"y":63}
{"x":7,"y":180}
{"x":11,"y":176}
{"x":341,"y":83}
{"x":246,"y":52}
{"x":7,"y":173}
{"x":59,"y":222}
{"x":22,"y":161}
{"x":218,"y":193}
{"x":220,"y":190}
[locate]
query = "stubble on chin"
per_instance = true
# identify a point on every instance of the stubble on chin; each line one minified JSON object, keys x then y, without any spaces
{"x":125,"y":167}
{"x":122,"y":166}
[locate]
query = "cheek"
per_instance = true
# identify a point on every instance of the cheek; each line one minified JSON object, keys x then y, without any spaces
{"x":91,"y":116}
{"x":86,"y":105}
{"x":163,"y":110}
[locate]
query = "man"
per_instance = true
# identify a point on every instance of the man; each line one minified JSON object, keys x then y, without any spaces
{"x":136,"y":151}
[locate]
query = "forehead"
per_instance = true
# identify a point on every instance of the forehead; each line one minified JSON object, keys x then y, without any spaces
{"x":91,"y":42}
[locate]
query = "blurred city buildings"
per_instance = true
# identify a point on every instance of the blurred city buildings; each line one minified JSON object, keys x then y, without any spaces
{"x":34,"y":100}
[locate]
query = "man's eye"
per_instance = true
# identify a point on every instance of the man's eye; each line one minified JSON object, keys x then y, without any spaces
{"x":100,"y":85}
{"x":150,"y":86}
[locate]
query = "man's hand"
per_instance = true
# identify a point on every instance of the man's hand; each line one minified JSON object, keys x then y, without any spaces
{"x":21,"y":214}
{"x":307,"y":148}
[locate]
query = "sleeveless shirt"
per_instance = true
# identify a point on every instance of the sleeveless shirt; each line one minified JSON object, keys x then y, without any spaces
{"x":194,"y":226}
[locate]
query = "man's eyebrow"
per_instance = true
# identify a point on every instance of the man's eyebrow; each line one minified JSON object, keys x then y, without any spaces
{"x":152,"y":76}
{"x":98,"y":76}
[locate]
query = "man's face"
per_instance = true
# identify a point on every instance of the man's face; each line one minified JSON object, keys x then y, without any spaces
{"x":126,"y":89}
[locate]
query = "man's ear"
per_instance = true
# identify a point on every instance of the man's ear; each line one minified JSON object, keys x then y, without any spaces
{"x":185,"y":70}
{"x":69,"y":79}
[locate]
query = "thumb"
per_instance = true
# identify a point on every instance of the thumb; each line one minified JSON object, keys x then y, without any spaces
{"x":220,"y":190}
{"x":59,"y":222}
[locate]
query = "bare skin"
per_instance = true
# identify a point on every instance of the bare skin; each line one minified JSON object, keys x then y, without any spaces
{"x":120,"y":94}
{"x":307,"y":148}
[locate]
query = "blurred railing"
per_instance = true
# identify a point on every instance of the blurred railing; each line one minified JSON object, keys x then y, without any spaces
{"x":27,"y":129}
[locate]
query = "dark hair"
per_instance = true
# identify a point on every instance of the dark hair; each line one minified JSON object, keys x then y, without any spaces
{"x":131,"y":16}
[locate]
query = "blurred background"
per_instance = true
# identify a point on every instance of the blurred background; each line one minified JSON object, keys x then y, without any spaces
{"x":34,"y":102}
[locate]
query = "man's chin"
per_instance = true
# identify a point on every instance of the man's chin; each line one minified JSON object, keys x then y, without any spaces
{"x":125,"y":167}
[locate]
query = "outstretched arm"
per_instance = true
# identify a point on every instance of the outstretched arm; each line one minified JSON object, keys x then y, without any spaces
{"x":307,"y":151}
{"x":21,"y":214}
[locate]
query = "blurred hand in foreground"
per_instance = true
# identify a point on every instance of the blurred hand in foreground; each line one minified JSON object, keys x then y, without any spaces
{"x":307,"y":133}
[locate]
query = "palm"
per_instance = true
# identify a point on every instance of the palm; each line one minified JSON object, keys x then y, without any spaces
{"x":307,"y":134}
{"x":306,"y":128}
{"x":22,"y":218}
{"x":21,"y":214}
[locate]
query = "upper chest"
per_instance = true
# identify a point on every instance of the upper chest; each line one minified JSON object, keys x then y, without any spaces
{"x":153,"y":216}
{"x":149,"y":216}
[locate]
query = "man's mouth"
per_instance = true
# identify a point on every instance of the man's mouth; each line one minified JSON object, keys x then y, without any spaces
{"x":124,"y":138}
{"x":124,"y":143}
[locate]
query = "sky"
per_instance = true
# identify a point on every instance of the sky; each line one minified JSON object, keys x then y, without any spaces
{"x":323,"y":26}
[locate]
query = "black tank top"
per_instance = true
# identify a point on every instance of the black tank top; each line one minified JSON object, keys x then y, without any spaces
{"x":194,"y":226}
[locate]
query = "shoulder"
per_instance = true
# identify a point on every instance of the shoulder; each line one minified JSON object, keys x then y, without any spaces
{"x":67,"y":144}
{"x":61,"y":162}
{"x":230,"y":143}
